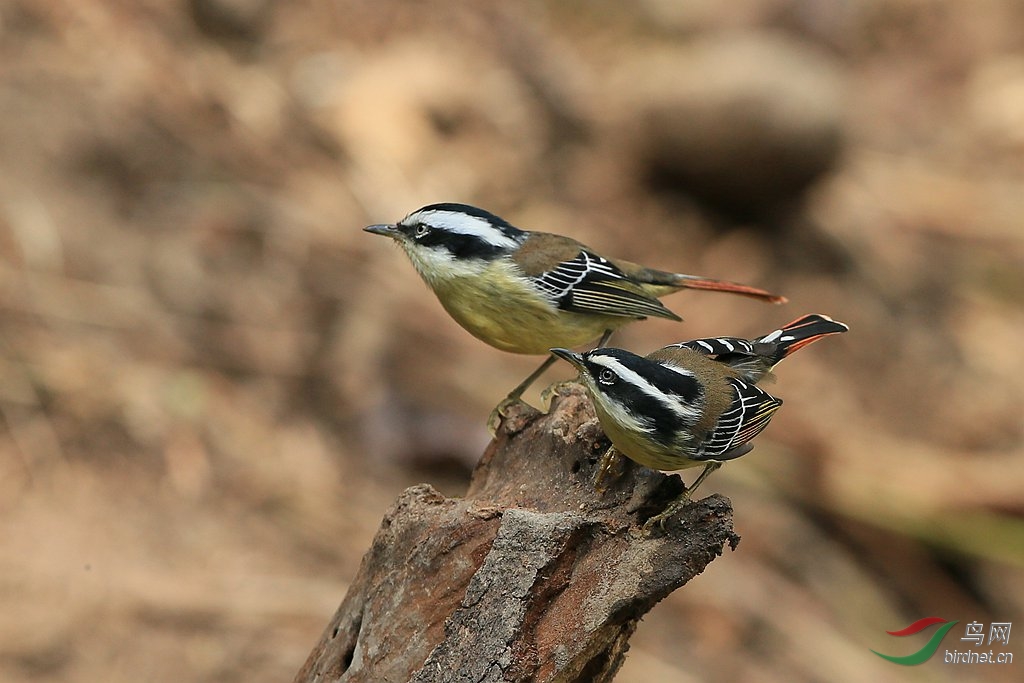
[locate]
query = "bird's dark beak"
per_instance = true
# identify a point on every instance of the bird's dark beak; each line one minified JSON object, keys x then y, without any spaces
{"x":567,"y":355}
{"x":386,"y":229}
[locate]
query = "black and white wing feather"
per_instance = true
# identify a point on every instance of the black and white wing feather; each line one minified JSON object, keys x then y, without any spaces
{"x":749,"y":358}
{"x":718,"y":346}
{"x":751,"y":411}
{"x":590,"y":283}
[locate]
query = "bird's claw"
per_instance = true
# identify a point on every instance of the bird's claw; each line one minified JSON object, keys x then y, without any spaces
{"x":671,"y":509}
{"x":611,"y":465}
{"x":500,"y":412}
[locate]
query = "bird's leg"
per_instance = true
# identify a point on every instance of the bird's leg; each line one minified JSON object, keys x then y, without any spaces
{"x":494,"y":419}
{"x":708,"y":469}
{"x":611,"y":465}
{"x":680,"y":502}
{"x":516,"y":393}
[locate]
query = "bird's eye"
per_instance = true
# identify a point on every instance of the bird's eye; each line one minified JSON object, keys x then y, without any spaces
{"x":606,"y":377}
{"x":421,"y":231}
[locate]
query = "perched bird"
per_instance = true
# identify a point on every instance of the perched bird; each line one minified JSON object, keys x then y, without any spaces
{"x":693,"y":403}
{"x":526,"y":292}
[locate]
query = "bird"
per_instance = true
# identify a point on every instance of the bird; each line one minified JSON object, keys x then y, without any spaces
{"x":692,"y":403}
{"x":525,"y":292}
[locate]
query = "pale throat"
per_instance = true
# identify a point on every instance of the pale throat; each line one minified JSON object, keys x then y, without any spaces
{"x":437,"y":265}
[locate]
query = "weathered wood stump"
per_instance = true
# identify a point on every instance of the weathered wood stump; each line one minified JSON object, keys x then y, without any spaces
{"x":533,"y":576}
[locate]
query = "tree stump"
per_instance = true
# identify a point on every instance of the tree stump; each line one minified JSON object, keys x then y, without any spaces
{"x":533,"y":576}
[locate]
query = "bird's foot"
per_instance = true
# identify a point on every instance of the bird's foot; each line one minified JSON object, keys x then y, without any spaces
{"x":513,"y":412}
{"x":612,"y":465}
{"x":671,"y":509}
{"x":549,"y":392}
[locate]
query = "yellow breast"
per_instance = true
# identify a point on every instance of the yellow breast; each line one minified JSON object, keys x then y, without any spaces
{"x":498,"y":307}
{"x":633,"y":443}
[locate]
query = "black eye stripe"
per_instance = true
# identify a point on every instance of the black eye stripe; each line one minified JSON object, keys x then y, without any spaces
{"x":672,"y":382}
{"x":663,"y":379}
{"x":459,"y":245}
{"x":661,"y":421}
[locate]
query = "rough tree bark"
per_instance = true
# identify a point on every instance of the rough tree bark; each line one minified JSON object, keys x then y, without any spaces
{"x":533,"y":576}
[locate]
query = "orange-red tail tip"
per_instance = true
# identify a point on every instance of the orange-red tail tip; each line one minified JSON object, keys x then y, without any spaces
{"x":815,"y":326}
{"x":693,"y":282}
{"x":796,"y":346}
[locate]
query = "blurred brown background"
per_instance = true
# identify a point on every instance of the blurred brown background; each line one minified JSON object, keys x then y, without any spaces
{"x":213,"y":384}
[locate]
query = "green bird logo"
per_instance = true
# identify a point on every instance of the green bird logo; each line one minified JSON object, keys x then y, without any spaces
{"x":925,"y":653}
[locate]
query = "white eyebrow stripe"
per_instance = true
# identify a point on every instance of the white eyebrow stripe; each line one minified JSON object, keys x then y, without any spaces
{"x":464,"y":224}
{"x":678,"y":405}
{"x":677,"y":368}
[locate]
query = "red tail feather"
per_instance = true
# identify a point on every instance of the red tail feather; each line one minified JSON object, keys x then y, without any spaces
{"x":695,"y":282}
{"x":807,"y":330}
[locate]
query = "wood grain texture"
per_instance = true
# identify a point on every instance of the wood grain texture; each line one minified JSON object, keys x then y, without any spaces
{"x":533,"y":576}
